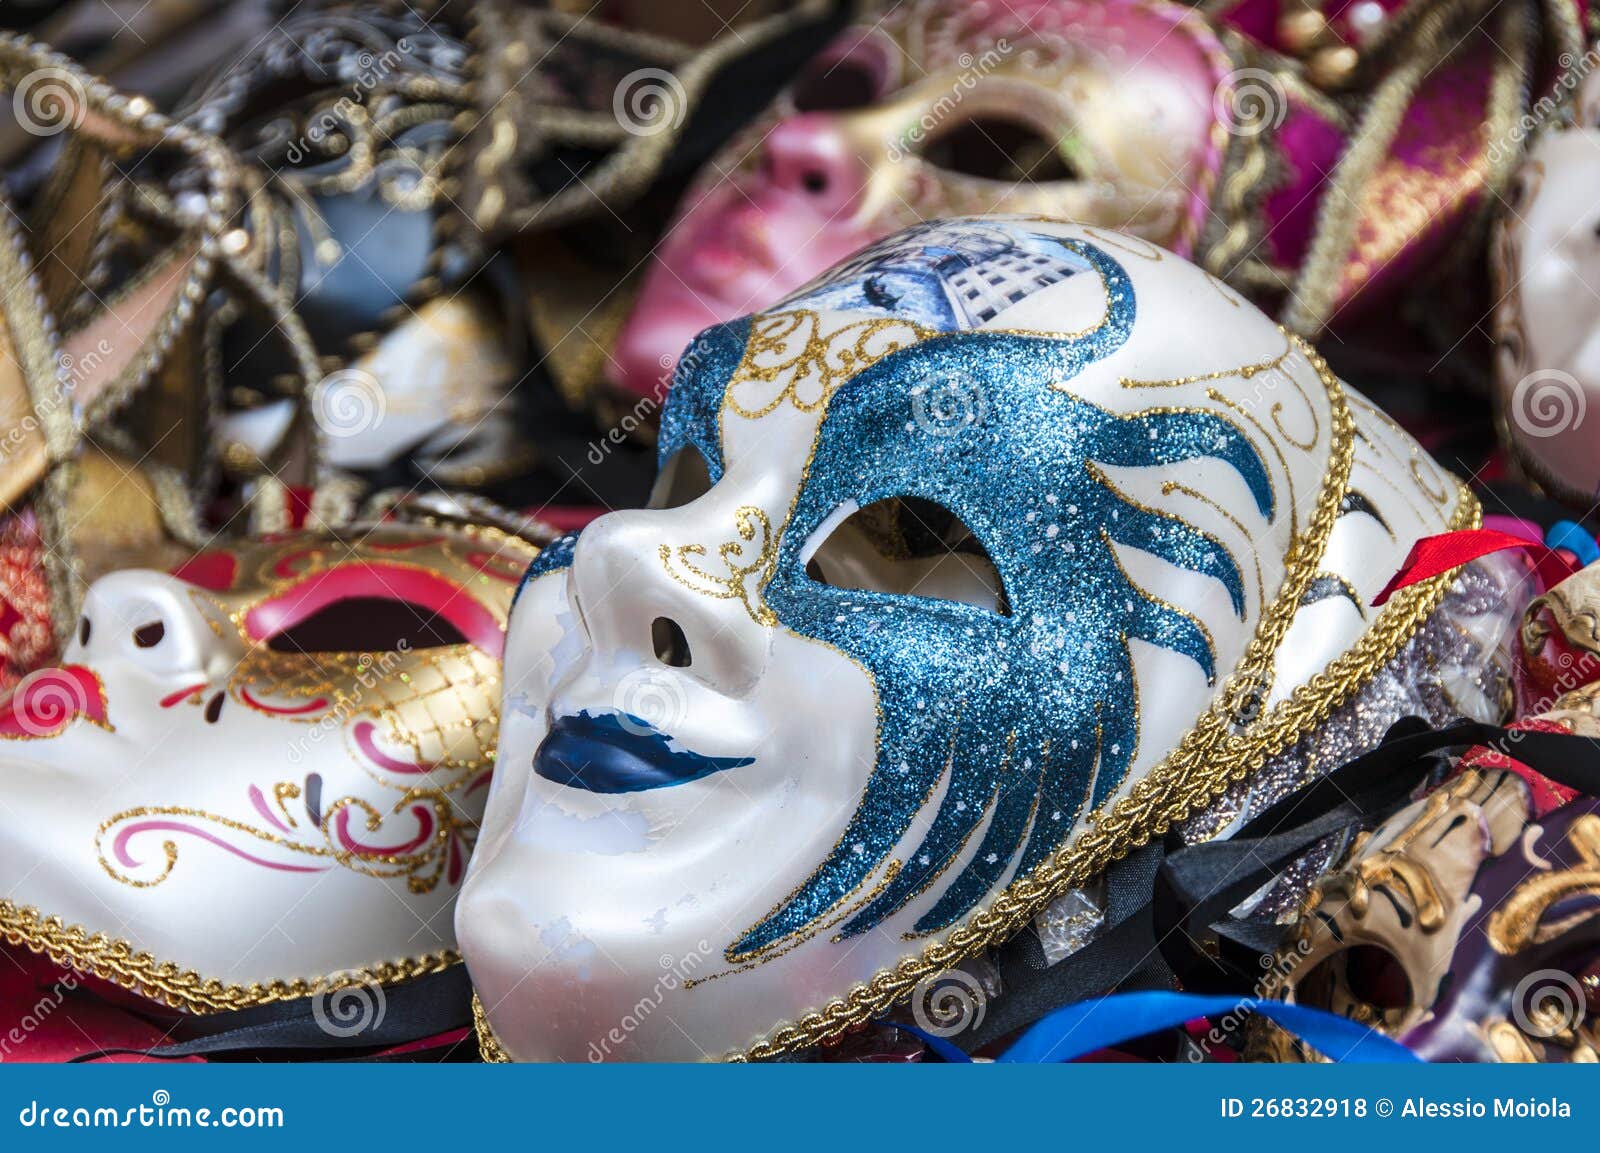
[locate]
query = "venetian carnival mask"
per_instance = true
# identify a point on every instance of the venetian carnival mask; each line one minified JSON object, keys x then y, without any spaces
{"x":1097,"y":112}
{"x":262,"y":772}
{"x":1546,"y":320}
{"x":342,"y":114}
{"x":992,"y":553}
{"x":1467,"y":926}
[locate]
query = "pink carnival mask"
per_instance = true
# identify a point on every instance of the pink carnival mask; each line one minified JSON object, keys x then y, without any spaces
{"x":1101,"y":113}
{"x":264,"y":771}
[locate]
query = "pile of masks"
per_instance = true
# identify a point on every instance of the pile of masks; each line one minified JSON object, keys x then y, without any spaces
{"x":905,"y":531}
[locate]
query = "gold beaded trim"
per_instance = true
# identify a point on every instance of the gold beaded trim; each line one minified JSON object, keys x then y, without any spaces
{"x":489,"y":1047}
{"x":119,"y":962}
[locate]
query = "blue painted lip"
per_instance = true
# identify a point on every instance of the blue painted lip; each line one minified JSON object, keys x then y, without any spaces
{"x":614,"y":752}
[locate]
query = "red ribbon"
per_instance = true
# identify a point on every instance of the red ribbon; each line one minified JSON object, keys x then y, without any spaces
{"x":1433,"y":555}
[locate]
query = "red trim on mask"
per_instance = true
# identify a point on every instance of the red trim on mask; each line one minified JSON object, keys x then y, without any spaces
{"x":212,"y":571}
{"x":382,"y":581}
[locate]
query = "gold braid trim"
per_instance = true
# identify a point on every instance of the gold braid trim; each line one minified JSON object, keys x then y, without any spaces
{"x":1204,"y":764}
{"x":1314,"y":297}
{"x":489,"y":1047}
{"x":119,"y":962}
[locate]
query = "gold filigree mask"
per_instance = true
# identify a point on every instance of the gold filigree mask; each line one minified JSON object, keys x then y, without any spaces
{"x":1467,"y":927}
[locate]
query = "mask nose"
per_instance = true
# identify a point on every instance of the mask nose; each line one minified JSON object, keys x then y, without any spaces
{"x":648,"y":603}
{"x":148,"y":620}
{"x":809,"y":156}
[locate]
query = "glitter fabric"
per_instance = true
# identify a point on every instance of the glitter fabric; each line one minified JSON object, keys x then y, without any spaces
{"x":556,"y":555}
{"x":1458,"y":664}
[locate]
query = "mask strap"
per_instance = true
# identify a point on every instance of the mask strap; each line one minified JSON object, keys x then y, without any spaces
{"x":1104,"y":1022}
{"x":426,"y":1009}
{"x":1182,"y":929}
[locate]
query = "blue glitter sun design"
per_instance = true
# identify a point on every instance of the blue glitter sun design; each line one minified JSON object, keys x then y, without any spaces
{"x":1027,"y":717}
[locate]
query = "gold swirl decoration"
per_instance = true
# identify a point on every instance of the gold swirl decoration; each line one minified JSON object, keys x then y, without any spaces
{"x":422,"y":860}
{"x":789,"y":361}
{"x":747,"y":559}
{"x":1519,"y":923}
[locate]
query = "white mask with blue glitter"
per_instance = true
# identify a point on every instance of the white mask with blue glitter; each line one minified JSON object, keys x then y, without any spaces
{"x":982,"y":559}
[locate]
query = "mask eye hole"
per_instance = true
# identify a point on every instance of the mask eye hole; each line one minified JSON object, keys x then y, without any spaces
{"x":367,"y":625}
{"x":671,"y":646}
{"x":684,"y":478}
{"x":145,"y":636}
{"x":1365,"y":982}
{"x":834,"y":85}
{"x":83,"y":630}
{"x":993,"y":146}
{"x":905,"y":545}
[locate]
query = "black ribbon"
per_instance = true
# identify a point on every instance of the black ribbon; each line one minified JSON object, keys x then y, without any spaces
{"x":411,"y":1011}
{"x":1168,"y":906}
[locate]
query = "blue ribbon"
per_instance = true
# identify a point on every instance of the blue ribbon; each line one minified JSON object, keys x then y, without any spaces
{"x":1104,"y":1022}
{"x":1575,"y":539}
